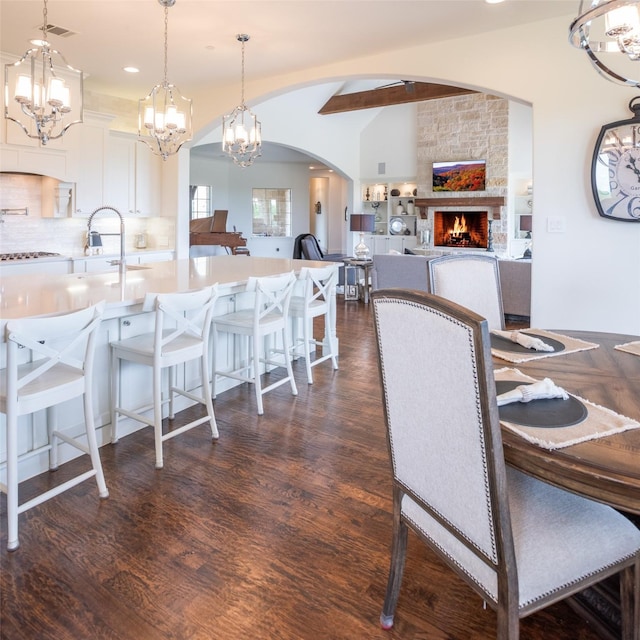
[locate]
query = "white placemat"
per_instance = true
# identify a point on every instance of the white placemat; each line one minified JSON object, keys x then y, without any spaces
{"x":629,"y":347}
{"x":600,"y":421}
{"x":571,"y":345}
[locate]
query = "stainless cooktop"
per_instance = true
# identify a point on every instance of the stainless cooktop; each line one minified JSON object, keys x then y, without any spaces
{"x":26,"y":255}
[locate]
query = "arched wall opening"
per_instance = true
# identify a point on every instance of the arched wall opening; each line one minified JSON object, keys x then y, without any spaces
{"x":352,"y":146}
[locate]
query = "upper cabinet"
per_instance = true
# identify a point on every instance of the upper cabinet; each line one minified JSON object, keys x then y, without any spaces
{"x":132,"y":176}
{"x":87,"y":149}
{"x":90,"y":180}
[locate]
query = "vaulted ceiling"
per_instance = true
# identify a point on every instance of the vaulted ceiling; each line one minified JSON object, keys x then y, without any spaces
{"x":102,"y":36}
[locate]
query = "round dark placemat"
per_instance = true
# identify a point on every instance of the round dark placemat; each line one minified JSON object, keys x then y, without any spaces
{"x":504,"y":344}
{"x":548,"y":414}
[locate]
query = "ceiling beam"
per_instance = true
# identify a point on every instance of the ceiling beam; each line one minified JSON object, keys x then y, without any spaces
{"x":387,"y":96}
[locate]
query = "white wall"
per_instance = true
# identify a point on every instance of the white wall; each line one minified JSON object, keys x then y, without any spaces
{"x":520,"y":168}
{"x":390,"y":138}
{"x":585,"y":278}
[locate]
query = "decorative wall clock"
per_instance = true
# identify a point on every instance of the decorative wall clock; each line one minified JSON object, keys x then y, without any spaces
{"x":615,"y":168}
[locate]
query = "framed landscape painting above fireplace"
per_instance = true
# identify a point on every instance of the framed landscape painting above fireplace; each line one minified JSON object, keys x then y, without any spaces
{"x":465,"y":175}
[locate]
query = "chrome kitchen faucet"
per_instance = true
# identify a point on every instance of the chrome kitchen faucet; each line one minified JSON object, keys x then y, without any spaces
{"x":93,"y":235}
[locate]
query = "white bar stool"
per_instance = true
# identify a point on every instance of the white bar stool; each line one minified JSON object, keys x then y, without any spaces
{"x":55,"y":366}
{"x":317,"y":286}
{"x":268,"y":316}
{"x":181,"y":334}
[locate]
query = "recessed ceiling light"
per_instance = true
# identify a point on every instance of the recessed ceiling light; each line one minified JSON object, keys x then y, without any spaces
{"x":493,"y":1}
{"x":131,"y":69}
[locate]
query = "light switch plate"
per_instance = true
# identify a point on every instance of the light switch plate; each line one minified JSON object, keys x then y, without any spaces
{"x":556,"y":224}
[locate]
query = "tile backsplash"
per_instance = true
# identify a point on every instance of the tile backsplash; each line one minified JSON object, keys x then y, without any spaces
{"x":67,"y":235}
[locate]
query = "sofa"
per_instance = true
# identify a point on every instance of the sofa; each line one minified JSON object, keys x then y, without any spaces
{"x":411,"y":272}
{"x":515,"y":283}
{"x":394,"y":270}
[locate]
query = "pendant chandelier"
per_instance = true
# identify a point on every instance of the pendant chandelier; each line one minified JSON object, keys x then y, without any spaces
{"x":241,"y":130}
{"x":609,"y":32}
{"x":43,"y":93}
{"x":164,"y":116}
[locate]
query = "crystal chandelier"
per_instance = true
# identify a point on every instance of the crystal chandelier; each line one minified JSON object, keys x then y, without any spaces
{"x":609,"y":32}
{"x":164,"y":116}
{"x":43,"y":87}
{"x":241,"y":130}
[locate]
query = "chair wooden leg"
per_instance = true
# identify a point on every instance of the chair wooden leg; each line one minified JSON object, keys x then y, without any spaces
{"x":213,"y":341}
{"x":396,"y":569}
{"x":508,"y":624}
{"x":172,"y":382}
{"x":12,"y":482}
{"x":115,"y":395}
{"x":630,"y":602}
{"x":52,"y":424}
{"x":206,"y":394}
{"x":256,"y":373}
{"x":307,"y":332}
{"x":331,"y":339}
{"x":157,"y":415}
{"x":92,"y":443}
{"x":286,"y":342}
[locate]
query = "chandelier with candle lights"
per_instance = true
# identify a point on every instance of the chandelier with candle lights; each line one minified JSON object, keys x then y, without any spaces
{"x":241,"y":130}
{"x":164,"y":116}
{"x":609,"y":32}
{"x":43,"y":93}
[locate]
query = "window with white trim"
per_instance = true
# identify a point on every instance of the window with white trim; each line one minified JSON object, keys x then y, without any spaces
{"x":200,"y":201}
{"x":271,"y":212}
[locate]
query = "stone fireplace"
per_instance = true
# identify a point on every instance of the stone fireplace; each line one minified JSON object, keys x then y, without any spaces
{"x":474,"y":126}
{"x":464,"y":229}
{"x":461,"y":222}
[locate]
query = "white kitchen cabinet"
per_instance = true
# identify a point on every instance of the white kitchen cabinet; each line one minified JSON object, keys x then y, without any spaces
{"x":133,"y":176}
{"x":90,"y":147}
{"x":154,"y":256}
{"x":386,"y":243}
{"x":101,"y":263}
{"x":37,"y":265}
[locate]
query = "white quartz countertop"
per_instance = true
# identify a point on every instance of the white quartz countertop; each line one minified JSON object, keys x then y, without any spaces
{"x":44,"y":294}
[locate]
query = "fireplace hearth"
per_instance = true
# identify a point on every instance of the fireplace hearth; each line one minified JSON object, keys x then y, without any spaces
{"x":461,"y":229}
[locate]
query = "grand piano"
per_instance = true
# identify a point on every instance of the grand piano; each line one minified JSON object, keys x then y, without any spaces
{"x":213,"y":231}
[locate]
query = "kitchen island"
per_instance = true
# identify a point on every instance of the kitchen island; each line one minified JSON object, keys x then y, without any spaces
{"x":43,"y":294}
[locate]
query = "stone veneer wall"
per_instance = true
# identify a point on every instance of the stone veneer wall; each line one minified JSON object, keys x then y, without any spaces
{"x":469,"y":127}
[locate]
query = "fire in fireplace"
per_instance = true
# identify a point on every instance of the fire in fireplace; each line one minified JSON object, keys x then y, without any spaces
{"x":465,"y":229}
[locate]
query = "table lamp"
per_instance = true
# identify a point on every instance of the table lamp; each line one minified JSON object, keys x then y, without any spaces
{"x":364,"y":223}
{"x":526,"y":224}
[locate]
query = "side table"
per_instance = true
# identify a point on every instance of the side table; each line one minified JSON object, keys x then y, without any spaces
{"x":363,"y":266}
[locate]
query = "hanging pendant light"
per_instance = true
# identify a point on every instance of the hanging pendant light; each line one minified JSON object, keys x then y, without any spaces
{"x":43,"y":93}
{"x":609,"y":33}
{"x":164,"y":116}
{"x":241,"y":130}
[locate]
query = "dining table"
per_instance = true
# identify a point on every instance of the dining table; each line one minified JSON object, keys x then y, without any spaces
{"x":604,"y":467}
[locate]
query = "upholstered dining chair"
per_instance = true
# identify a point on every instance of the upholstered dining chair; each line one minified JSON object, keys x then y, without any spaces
{"x":265,"y":317}
{"x":312,"y":299}
{"x":520,"y":543}
{"x":49,"y":361}
{"x":181,"y":334}
{"x":472,"y":280}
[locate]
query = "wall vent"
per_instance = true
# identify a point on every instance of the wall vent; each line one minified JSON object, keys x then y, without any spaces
{"x":57,"y":31}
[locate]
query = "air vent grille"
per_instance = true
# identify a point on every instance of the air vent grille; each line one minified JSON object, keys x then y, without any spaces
{"x":58,"y":31}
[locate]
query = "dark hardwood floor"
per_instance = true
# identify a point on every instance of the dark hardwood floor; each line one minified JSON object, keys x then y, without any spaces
{"x":280,"y":530}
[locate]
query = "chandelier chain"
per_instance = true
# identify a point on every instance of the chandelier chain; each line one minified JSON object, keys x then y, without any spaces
{"x":166,"y":40}
{"x":45,"y":21}
{"x":244,"y":39}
